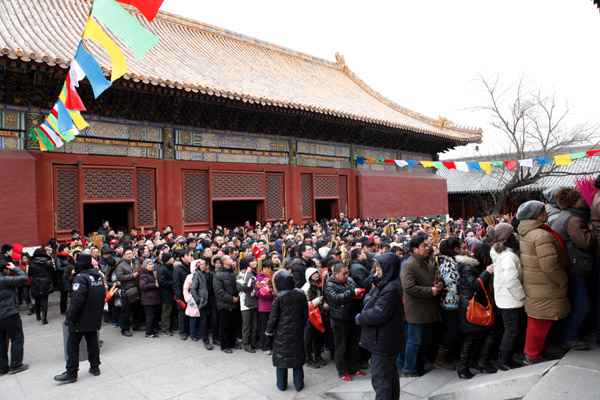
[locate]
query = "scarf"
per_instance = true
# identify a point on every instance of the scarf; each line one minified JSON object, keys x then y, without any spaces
{"x":559,"y":238}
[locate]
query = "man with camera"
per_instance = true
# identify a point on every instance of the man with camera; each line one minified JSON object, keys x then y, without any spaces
{"x":11,"y":326}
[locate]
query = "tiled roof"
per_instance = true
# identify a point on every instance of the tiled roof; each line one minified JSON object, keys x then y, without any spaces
{"x":197,"y":57}
{"x":480,"y":182}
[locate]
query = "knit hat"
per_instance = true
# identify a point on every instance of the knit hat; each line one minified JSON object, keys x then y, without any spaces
{"x":147,"y":261}
{"x":549,"y":195}
{"x":530,"y":210}
{"x":502,"y":232}
{"x":166,"y":257}
{"x":566,"y":197}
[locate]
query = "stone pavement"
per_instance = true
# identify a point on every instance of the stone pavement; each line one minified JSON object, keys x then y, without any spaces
{"x":163,"y":368}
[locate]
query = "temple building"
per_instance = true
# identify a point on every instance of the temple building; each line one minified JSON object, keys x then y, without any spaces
{"x":210,"y":127}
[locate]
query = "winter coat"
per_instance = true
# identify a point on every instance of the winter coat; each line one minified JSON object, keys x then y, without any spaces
{"x":579,"y":240}
{"x":315,"y":299}
{"x":544,"y":277}
{"x":165,"y":283}
{"x":180,"y":272}
{"x":342,"y":308}
{"x":361,"y":275}
{"x":245,"y":286}
{"x":43,"y":274}
{"x":63,"y":263}
{"x":87,"y":302}
{"x":381,"y":317}
{"x":199,"y":289}
{"x":298,"y":267}
{"x":447,"y":268}
{"x":595,"y":220}
{"x":225,"y":288}
{"x":125,"y":276}
{"x":264,"y":292}
{"x":8,"y":292}
{"x":150,"y":294}
{"x":420,"y":305}
{"x":469,"y":286}
{"x":287,"y":321}
{"x":192,"y":309}
{"x":508,"y":279}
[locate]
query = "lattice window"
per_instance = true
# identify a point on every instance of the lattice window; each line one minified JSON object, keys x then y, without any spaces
{"x":234,"y":186}
{"x":326,"y":186}
{"x":273,"y":195}
{"x":307,"y":199}
{"x":66,"y":183}
{"x":343,"y":198}
{"x":145,"y":204}
{"x":108,"y":184}
{"x":195,"y":196}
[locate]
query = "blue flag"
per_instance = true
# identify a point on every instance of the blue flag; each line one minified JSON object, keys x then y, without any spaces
{"x":542,"y":160}
{"x":411,"y":163}
{"x":474,"y":166}
{"x":65,"y":123}
{"x":92,"y":70}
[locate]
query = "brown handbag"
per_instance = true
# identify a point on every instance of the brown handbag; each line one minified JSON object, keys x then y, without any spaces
{"x":477,"y":314}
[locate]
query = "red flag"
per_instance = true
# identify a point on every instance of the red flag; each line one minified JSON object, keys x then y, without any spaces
{"x":511,"y":164}
{"x":592,"y":152}
{"x":147,"y":7}
{"x":449,"y":164}
{"x":73,"y":101}
{"x":388,"y":161}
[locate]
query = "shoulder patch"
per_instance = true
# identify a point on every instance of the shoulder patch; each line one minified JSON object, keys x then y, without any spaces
{"x":75,"y":286}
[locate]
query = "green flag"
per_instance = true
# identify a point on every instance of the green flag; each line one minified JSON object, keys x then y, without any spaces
{"x":439,"y":165}
{"x":41,"y":137}
{"x":124,"y":25}
{"x":575,"y":156}
{"x":497,"y":163}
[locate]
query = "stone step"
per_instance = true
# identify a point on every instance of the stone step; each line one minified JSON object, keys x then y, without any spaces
{"x":503,"y":385}
{"x":357,"y":389}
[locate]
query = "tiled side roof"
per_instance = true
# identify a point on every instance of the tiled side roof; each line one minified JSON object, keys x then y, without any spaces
{"x":480,"y":182}
{"x":201,"y":58}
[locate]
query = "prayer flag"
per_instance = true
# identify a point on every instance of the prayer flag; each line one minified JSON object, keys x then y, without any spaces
{"x":78,"y":120}
{"x":592,"y":152}
{"x":542,"y":160}
{"x":125,"y":26}
{"x":388,"y":161}
{"x":401,"y":163}
{"x":461,"y":166}
{"x":51,"y":135}
{"x":563,"y":159}
{"x":474,"y":166}
{"x":117,"y":59}
{"x":148,"y":8}
{"x":439,"y":165}
{"x":370,"y":159}
{"x":92,"y":70}
{"x":64,"y":118}
{"x":510,"y":165}
{"x":486,"y":166}
{"x":526,"y":163}
{"x":427,"y":164}
{"x":66,"y":135}
{"x":76,"y":73}
{"x":360,"y":160}
{"x":45,"y":143}
{"x":72,"y":100}
{"x":411,"y":163}
{"x":380,"y":160}
{"x":576,"y":156}
{"x":497,"y":163}
{"x":449,"y":164}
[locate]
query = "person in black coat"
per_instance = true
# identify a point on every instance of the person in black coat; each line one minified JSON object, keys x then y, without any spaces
{"x":63,"y":262}
{"x":300,"y":264}
{"x":84,"y":318}
{"x":42,"y":284}
{"x":469,"y":270}
{"x":343,"y":296}
{"x":11,"y":326}
{"x":168,"y":318}
{"x":381,"y":322}
{"x":359,"y":271}
{"x":287,"y":320}
{"x":227,"y":297}
{"x":181,"y":269}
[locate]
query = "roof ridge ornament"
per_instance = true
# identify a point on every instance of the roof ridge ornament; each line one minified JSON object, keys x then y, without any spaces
{"x":340,"y":61}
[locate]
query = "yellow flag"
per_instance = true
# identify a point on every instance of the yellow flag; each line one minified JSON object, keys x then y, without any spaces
{"x":117,"y":58}
{"x":563,"y":159}
{"x":370,"y":159}
{"x":427,"y":164}
{"x":80,"y":123}
{"x":486,"y":166}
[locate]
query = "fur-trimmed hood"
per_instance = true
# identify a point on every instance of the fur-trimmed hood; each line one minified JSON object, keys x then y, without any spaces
{"x":467,"y":260}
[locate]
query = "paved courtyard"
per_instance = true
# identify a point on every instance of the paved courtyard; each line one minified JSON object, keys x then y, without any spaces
{"x":162,"y":368}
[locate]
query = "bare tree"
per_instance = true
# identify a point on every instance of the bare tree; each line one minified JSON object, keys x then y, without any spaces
{"x":533,"y":125}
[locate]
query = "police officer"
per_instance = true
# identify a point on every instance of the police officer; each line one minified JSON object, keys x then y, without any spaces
{"x":84,"y":318}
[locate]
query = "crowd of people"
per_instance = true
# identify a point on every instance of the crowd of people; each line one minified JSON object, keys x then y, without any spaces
{"x":391,"y":294}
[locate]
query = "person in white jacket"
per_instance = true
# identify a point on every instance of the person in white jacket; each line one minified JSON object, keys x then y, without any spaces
{"x":509,"y":294}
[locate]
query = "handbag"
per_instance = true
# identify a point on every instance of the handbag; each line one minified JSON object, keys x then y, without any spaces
{"x":477,"y":314}
{"x":314,"y":317}
{"x":132,"y":294}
